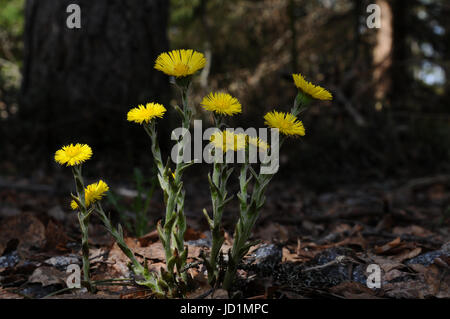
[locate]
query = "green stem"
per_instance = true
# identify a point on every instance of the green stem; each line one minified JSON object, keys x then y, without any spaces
{"x":118,"y":236}
{"x":83,"y":218}
{"x":218,"y":188}
{"x":84,"y":224}
{"x":249,"y":213}
{"x":181,"y":217}
{"x":217,"y":196}
{"x":149,"y":279}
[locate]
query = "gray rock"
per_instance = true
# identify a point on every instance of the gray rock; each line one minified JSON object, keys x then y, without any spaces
{"x":9,"y":260}
{"x":202,"y":242}
{"x":61,"y":262}
{"x":428,"y":258}
{"x":267,"y":255}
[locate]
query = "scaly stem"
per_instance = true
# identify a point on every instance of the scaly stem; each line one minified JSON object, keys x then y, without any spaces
{"x":240,"y":237}
{"x":249,"y":213}
{"x":218,"y":188}
{"x":84,"y":224}
{"x":172,"y":232}
{"x":180,"y":228}
{"x":83,"y":218}
{"x":218,"y":194}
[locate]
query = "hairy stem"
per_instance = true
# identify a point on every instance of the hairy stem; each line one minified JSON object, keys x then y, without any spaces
{"x":83,"y":218}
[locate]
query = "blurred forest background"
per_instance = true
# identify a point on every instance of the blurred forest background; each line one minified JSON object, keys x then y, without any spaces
{"x":389,"y":119}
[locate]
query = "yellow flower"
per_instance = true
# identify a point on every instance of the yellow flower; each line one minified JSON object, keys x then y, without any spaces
{"x":257,"y":142}
{"x":146,"y":113}
{"x":72,"y":155}
{"x":315,"y":91}
{"x":287,"y":123}
{"x":92,"y":194}
{"x":221,"y":103}
{"x":180,"y":63}
{"x":227,"y":140}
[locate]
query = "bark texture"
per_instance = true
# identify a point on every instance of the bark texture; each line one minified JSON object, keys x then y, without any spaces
{"x":78,"y":84}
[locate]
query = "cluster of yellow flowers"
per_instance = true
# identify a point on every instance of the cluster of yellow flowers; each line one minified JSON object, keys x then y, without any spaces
{"x":74,"y":155}
{"x":182,"y":63}
{"x":92,"y":193}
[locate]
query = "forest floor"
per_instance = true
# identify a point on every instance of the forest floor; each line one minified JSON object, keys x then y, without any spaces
{"x":312,"y":245}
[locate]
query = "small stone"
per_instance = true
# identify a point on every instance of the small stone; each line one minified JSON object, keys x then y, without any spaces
{"x":9,"y":260}
{"x":61,"y":262}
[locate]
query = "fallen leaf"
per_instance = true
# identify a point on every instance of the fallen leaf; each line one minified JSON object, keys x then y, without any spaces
{"x":192,"y":234}
{"x":413,"y":230}
{"x":385,"y":263}
{"x":47,"y":276}
{"x":411,"y":289}
{"x":288,"y":256}
{"x":26,"y":228}
{"x":154,"y":251}
{"x":387,"y":247}
{"x":148,"y":239}
{"x":408,"y":254}
{"x":6,"y":294}
{"x":394,"y":274}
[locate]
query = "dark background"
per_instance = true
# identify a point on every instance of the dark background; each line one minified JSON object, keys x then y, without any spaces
{"x":369,"y":181}
{"x":389,"y":118}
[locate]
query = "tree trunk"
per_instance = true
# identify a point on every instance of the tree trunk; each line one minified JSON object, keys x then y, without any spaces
{"x":78,"y":84}
{"x":401,"y":74}
{"x":382,"y":53}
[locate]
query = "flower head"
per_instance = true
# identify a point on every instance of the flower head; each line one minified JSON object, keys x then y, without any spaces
{"x":287,"y":123}
{"x":92,"y":193}
{"x":257,"y":142}
{"x":180,"y":63}
{"x":314,"y":91}
{"x":227,"y":140}
{"x":72,"y":155}
{"x":146,"y":113}
{"x":221,"y":103}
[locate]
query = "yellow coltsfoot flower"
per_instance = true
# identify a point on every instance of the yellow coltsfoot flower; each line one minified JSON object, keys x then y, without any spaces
{"x":146,"y":113}
{"x":92,"y":193}
{"x":180,"y":63}
{"x":287,"y":123}
{"x":221,"y":103}
{"x":72,"y":155}
{"x":315,"y":91}
{"x":227,"y":140}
